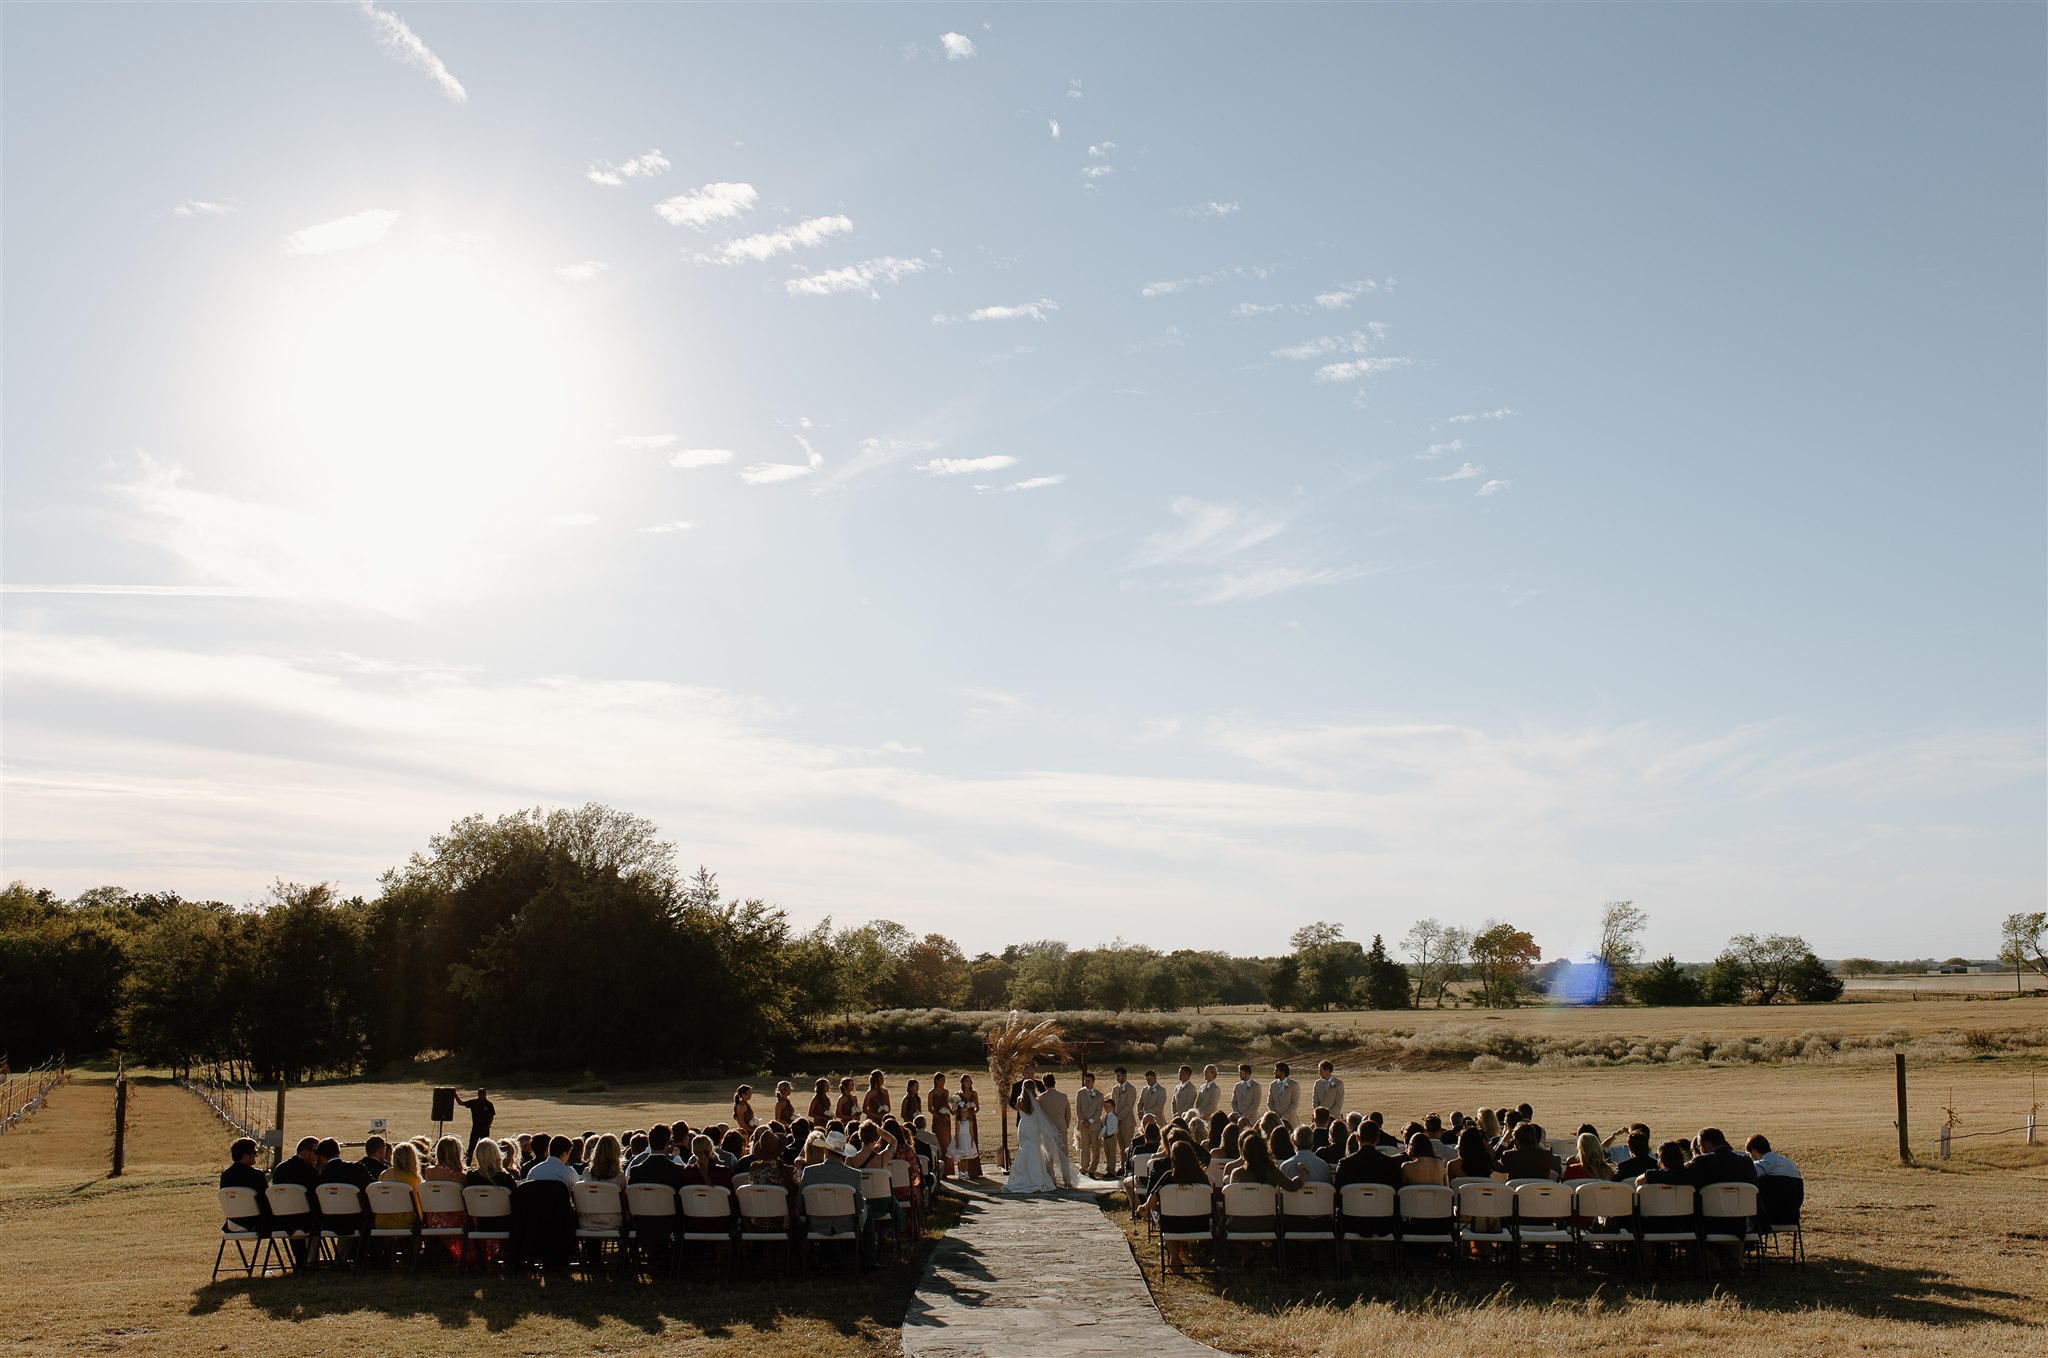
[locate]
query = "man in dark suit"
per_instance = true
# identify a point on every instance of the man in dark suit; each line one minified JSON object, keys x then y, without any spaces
{"x":302,"y":1169}
{"x":1717,"y":1162}
{"x":1531,"y":1157}
{"x":1017,"y":1086}
{"x":481,"y":1112}
{"x":1368,"y":1164}
{"x":376,"y":1159}
{"x":1639,"y":1161}
{"x":242,"y":1173}
{"x":657,"y":1166}
{"x":334,"y":1169}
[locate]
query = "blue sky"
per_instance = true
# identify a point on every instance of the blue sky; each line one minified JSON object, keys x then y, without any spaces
{"x":1068,"y":471}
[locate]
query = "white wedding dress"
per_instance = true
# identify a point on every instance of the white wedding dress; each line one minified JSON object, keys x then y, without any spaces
{"x":1042,"y":1164}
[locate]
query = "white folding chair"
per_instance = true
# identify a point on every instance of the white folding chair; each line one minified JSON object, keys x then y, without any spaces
{"x":1190,"y":1202}
{"x":707,"y":1217}
{"x":1484,"y":1201}
{"x":290,"y":1246}
{"x":1251,"y":1216}
{"x":391,"y":1200}
{"x":592,"y":1201}
{"x":880,"y":1196}
{"x":837,"y":1203}
{"x":1309,"y":1214}
{"x":1141,"y":1165}
{"x":900,"y":1184}
{"x":1429,"y":1217}
{"x":651,"y":1216}
{"x":238,"y":1202}
{"x":764,"y":1215}
{"x":490,"y":1218}
{"x":1728,"y":1217}
{"x":442,"y":1196}
{"x":1664,"y":1217}
{"x":1543,"y":1216}
{"x":1606,"y":1212}
{"x":341,"y":1214}
{"x":1369,"y":1212}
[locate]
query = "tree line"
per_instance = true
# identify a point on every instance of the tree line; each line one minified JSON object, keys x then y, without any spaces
{"x":570,"y":938}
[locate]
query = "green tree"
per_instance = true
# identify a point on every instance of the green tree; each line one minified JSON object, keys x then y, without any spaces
{"x":2023,"y":942}
{"x":988,"y":982}
{"x":1385,"y":982}
{"x":1438,"y":952}
{"x":1761,"y":969}
{"x":61,"y":970}
{"x":1042,"y":981}
{"x":1621,"y":932}
{"x":1664,"y":982}
{"x":178,"y":1008}
{"x":1502,"y":959}
{"x":932,"y":974}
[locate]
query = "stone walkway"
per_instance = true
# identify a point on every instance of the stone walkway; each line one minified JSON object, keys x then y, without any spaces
{"x":1044,"y":1276}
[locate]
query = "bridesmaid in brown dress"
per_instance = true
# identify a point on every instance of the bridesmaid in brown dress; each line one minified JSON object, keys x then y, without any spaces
{"x":942,"y":1121}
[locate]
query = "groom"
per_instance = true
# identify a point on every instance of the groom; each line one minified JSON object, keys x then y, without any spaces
{"x":1058,"y":1112}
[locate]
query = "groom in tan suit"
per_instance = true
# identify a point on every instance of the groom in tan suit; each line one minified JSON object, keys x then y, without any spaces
{"x":1059,"y":1113}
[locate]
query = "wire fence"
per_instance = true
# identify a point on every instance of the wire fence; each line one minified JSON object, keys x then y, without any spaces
{"x":23,"y":1092}
{"x":233,"y":1101}
{"x":1949,"y":1133}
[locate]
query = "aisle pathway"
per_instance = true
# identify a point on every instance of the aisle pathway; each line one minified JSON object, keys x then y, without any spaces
{"x":1045,"y":1276}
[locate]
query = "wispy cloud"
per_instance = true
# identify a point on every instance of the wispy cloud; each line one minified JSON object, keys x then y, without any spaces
{"x":1054,"y":123}
{"x":349,"y":233}
{"x":1341,"y":296}
{"x":1037,"y":482}
{"x":1357,"y":342}
{"x":1356,"y":368}
{"x":1257,"y":308}
{"x":1167,"y":287}
{"x":639,"y":167}
{"x":1468,"y":472}
{"x":675,"y":526}
{"x":649,"y":441}
{"x":958,"y":46}
{"x":1209,"y":209}
{"x":193,"y":207}
{"x":1101,"y":150}
{"x":860,"y":277}
{"x":689,"y":459}
{"x":961,"y":466}
{"x":584,"y":272}
{"x":769,"y":473}
{"x":1097,"y":171}
{"x":768,"y":244}
{"x":712,"y":203}
{"x":1500,"y":414}
{"x":1208,"y":532}
{"x":1039,"y":310}
{"x":1439,"y":449}
{"x":1493,"y":487}
{"x":1073,"y":89}
{"x":1256,"y":582}
{"x":404,"y":46}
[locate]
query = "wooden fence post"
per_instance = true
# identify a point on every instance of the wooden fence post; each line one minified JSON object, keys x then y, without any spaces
{"x":1905,"y":1147}
{"x":120,"y":1116}
{"x":277,"y":1151}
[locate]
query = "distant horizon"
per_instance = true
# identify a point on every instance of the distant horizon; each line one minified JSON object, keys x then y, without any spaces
{"x":1163,"y":476}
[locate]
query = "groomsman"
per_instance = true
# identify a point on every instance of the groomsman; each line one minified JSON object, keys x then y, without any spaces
{"x":1285,"y":1096}
{"x":1184,"y":1092}
{"x":1328,"y":1092}
{"x":1123,"y":1097}
{"x":1209,"y":1097}
{"x":1088,"y":1103}
{"x":1247,"y":1096}
{"x":1152,"y":1099}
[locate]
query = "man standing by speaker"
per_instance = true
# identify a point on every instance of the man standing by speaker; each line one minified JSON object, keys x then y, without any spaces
{"x":481,"y":1111}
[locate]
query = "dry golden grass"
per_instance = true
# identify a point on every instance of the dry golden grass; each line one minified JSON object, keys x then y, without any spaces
{"x":1934,"y":1259}
{"x":1875,"y":1013}
{"x":100,"y":1265}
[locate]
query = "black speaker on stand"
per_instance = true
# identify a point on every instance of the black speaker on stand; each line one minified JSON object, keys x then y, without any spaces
{"x":444,"y":1111}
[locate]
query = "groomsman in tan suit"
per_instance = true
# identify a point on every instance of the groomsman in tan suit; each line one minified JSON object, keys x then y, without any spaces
{"x":1184,"y":1092}
{"x":1209,"y":1097}
{"x":1123,"y":1097}
{"x":1285,"y":1096}
{"x":1088,"y":1121}
{"x":1328,"y":1092}
{"x":1152,"y":1099}
{"x":1246,"y":1098}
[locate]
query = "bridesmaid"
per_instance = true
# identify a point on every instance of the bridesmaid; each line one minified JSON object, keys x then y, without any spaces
{"x":874,"y":1105}
{"x":785,"y":1107}
{"x":743,"y":1111}
{"x":967,"y":1129}
{"x":848,"y":1107}
{"x":942,"y":1122}
{"x":913,"y":1105}
{"x":821,"y":1103}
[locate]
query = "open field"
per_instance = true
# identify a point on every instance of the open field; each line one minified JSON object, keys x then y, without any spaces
{"x":1991,"y":984}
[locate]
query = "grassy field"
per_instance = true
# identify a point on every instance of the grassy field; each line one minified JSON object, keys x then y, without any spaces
{"x":1940,"y":1258}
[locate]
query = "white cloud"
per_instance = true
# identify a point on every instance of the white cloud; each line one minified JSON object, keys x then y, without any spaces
{"x":1039,"y":310}
{"x":584,"y":272}
{"x":958,"y":46}
{"x":1356,"y":368}
{"x":1257,"y":582}
{"x":711,"y":203}
{"x":1344,"y":294}
{"x":1097,"y":171}
{"x":689,"y":459}
{"x":1439,"y":449}
{"x":769,"y":473}
{"x":1037,"y":482}
{"x":1208,"y":532}
{"x":1073,"y":89}
{"x":1101,"y":150}
{"x":1168,"y":287}
{"x":405,"y":47}
{"x":960,"y":466}
{"x":1256,"y":308}
{"x":193,"y":207}
{"x":1054,"y":123}
{"x":860,"y":277}
{"x":349,"y":233}
{"x":1209,"y":209}
{"x":649,"y":441}
{"x":639,"y":167}
{"x":1493,"y":487}
{"x":676,"y":526}
{"x":1468,"y":472}
{"x":1500,"y":414}
{"x":768,"y":244}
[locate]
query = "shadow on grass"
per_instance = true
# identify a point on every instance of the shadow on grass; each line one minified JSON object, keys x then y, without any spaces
{"x":756,"y":1295}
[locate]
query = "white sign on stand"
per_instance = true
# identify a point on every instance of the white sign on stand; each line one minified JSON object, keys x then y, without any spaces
{"x":377,"y":1126}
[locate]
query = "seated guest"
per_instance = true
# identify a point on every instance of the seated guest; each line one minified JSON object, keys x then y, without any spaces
{"x":1717,"y":1162}
{"x":555,"y":1166}
{"x":376,"y":1158}
{"x":606,"y":1168}
{"x":1146,"y":1142}
{"x":705,"y":1165}
{"x":1639,"y":1161}
{"x":1475,"y":1161}
{"x":1310,"y":1167}
{"x":1423,"y":1166}
{"x":301,"y":1167}
{"x":1255,"y":1166}
{"x":405,"y":1169}
{"x":1367,"y":1164}
{"x":448,"y":1168}
{"x":1670,"y":1165}
{"x":1590,"y":1162}
{"x":1530,"y":1158}
{"x":767,"y":1168}
{"x":1224,"y":1156}
{"x":1183,"y":1166}
{"x":1768,"y":1161}
{"x":831,"y":1168}
{"x":487,"y":1168}
{"x":242,"y":1173}
{"x":657,"y":1166}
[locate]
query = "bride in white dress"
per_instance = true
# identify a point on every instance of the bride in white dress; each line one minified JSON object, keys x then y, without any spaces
{"x":1042,"y":1164}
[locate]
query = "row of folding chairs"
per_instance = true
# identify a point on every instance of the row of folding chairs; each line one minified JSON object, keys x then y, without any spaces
{"x":1511,"y":1219}
{"x":692,"y":1214}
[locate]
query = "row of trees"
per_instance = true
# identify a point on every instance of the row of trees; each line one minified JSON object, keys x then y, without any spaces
{"x":571,"y":938}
